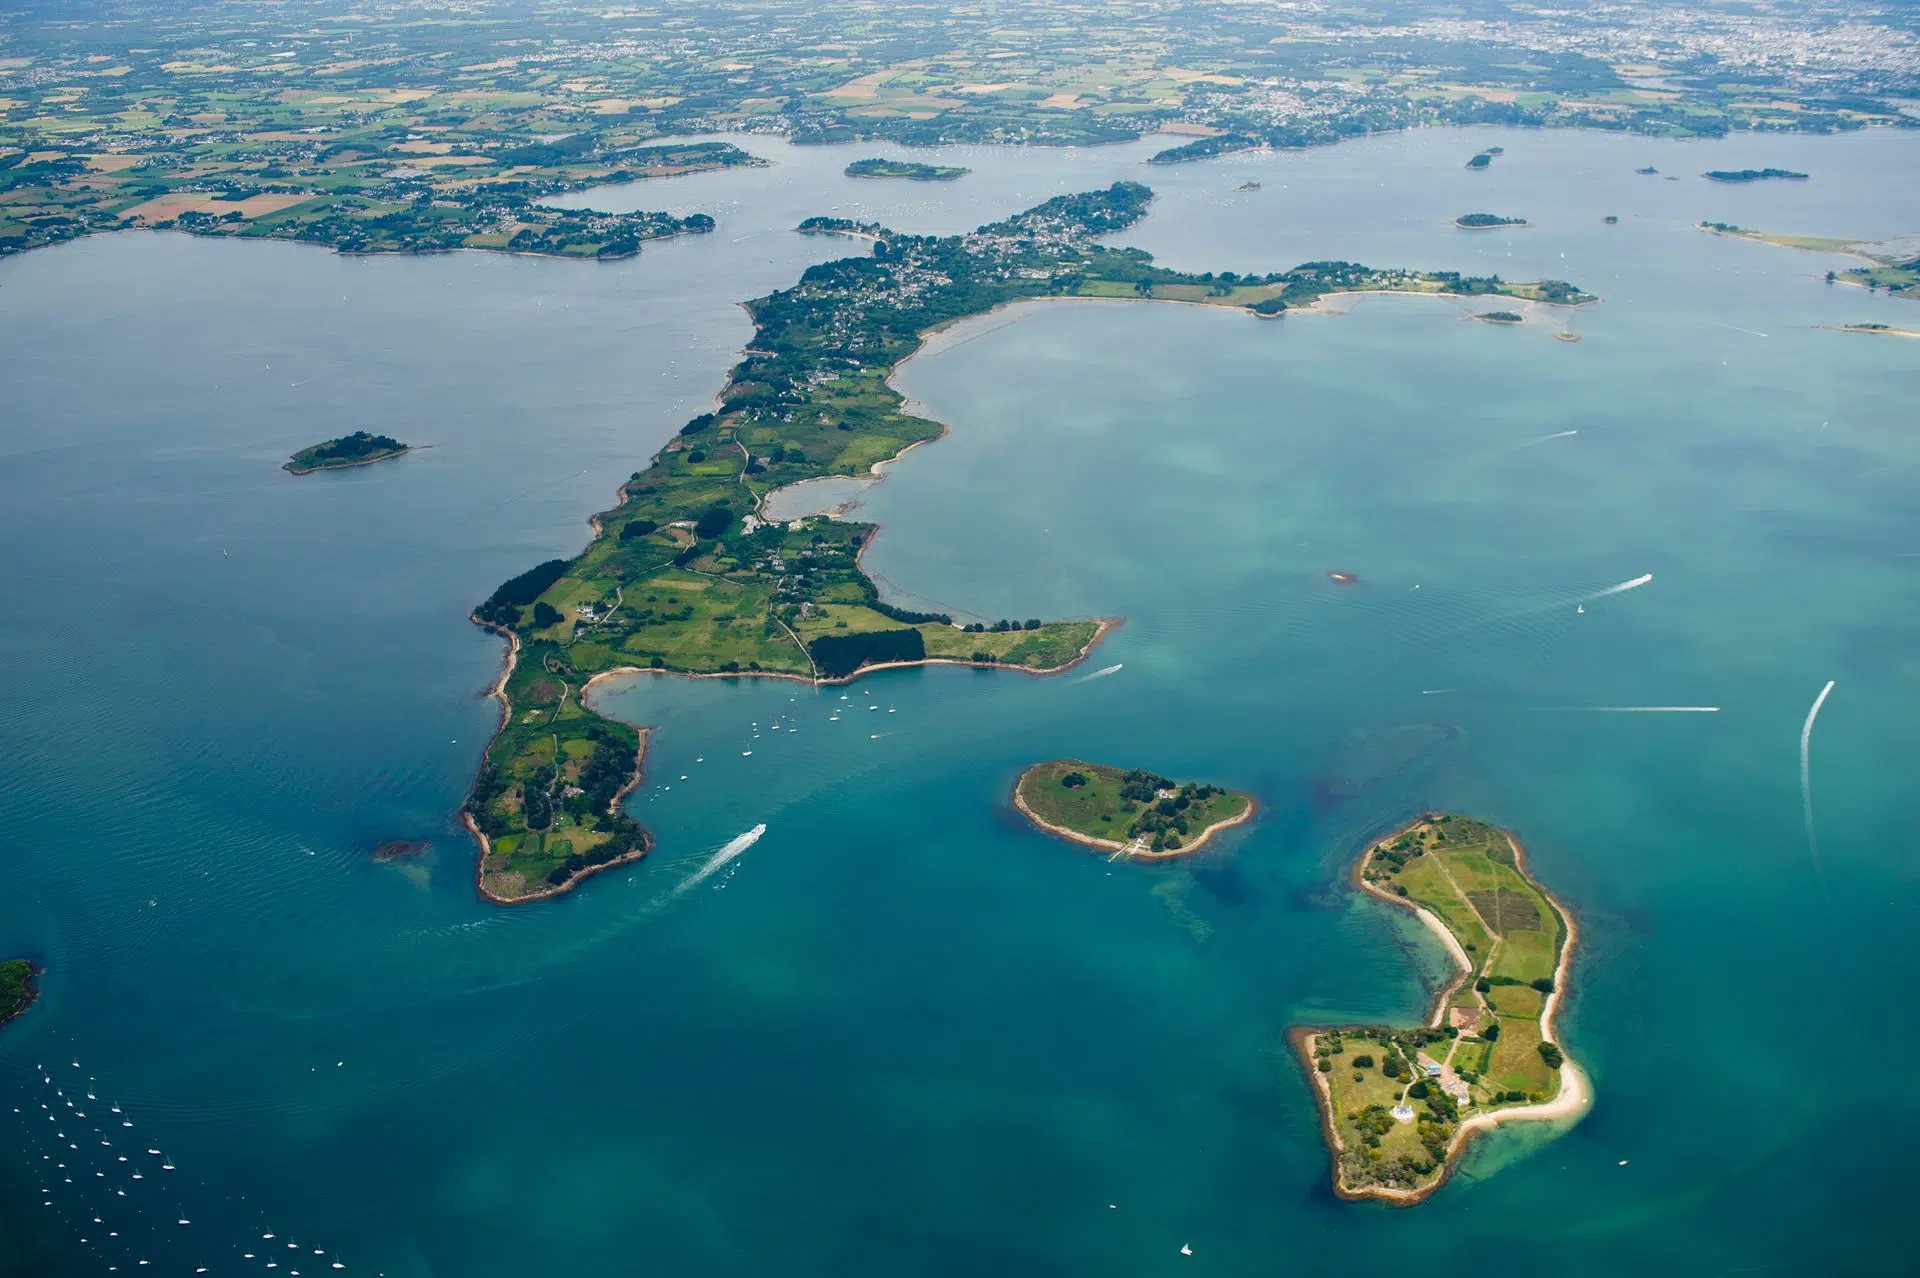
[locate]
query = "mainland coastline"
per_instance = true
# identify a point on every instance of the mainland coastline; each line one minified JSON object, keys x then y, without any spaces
{"x":1358,"y":1143}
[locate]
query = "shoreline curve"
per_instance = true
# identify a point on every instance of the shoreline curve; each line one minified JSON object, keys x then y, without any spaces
{"x":1109,"y":845}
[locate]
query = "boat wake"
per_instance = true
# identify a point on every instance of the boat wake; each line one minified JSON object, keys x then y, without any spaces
{"x":1806,"y":780}
{"x":1640,"y":709}
{"x":494,"y":969}
{"x":1578,"y":601}
{"x":714,"y":864}
{"x":1623,"y":587}
{"x":1102,"y":673}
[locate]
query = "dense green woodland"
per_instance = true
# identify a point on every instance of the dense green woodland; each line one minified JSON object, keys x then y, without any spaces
{"x":1753,"y":175}
{"x":908,"y":169}
{"x":348,"y":450}
{"x":16,"y":988}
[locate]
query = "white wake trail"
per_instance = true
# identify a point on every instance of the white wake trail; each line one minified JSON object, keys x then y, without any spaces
{"x":1639,"y":709}
{"x":717,"y":862}
{"x":1624,"y":586}
{"x":1806,"y":779}
{"x":1534,"y":610}
{"x":1113,"y":669}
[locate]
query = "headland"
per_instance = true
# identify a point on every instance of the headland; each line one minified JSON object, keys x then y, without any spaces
{"x":17,"y":987}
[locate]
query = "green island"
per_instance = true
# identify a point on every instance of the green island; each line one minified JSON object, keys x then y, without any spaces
{"x":17,"y":989}
{"x":684,"y":576}
{"x":357,"y":449}
{"x":1502,"y":317}
{"x":1895,"y":270}
{"x":1486,"y":221}
{"x":1753,"y":175}
{"x":841,"y":226}
{"x":909,"y":169}
{"x":1485,"y":158}
{"x":1134,"y":814}
{"x":1398,"y":1106}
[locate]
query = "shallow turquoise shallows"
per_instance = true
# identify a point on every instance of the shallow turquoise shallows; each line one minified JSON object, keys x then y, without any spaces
{"x":902,"y":1033}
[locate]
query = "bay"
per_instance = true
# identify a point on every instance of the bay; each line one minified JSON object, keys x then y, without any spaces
{"x":901,"y":1031}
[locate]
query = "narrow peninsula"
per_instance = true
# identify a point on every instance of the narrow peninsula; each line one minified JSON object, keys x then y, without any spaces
{"x":17,"y":988}
{"x":357,"y":449}
{"x":1135,"y":815}
{"x":1398,"y":1106}
{"x":911,"y":170}
{"x":1892,"y":264}
{"x":686,"y":574}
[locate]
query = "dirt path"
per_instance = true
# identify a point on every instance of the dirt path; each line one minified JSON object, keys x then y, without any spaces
{"x":803,"y":648}
{"x":1493,"y":950}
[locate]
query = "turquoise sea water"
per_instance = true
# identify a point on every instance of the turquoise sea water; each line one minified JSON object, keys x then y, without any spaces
{"x":902,"y":1033}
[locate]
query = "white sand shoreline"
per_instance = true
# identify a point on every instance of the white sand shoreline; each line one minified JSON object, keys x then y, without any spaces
{"x":1110,"y":845}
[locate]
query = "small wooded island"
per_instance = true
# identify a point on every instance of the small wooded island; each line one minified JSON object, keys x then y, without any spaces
{"x":17,"y":990}
{"x":1501,"y":317}
{"x":357,"y":449}
{"x":1398,"y":1106}
{"x":1486,"y":221}
{"x":1485,"y":158}
{"x":1753,"y":175}
{"x":1139,"y":815}
{"x":912,"y":170}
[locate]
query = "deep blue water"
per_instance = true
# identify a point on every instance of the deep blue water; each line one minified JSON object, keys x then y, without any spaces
{"x":902,"y":1032}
